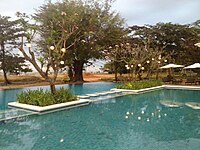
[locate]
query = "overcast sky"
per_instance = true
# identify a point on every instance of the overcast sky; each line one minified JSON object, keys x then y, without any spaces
{"x":136,"y":12}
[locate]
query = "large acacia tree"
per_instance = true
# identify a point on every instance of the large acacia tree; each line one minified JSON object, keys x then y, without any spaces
{"x":97,"y":27}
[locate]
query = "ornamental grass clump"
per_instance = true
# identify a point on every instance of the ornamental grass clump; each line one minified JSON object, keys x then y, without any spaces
{"x":137,"y":85}
{"x":42,"y":97}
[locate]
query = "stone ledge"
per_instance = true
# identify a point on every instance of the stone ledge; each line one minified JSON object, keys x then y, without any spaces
{"x":40,"y":109}
{"x":159,"y":87}
{"x":139,"y":91}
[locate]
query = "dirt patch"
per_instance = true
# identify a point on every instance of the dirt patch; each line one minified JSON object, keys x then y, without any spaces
{"x":20,"y":81}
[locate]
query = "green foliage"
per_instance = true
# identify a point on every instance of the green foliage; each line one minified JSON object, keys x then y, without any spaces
{"x":15,"y":64}
{"x":42,"y":97}
{"x":62,"y":95}
{"x":136,"y":85}
{"x":88,"y":27}
{"x":176,"y":38}
{"x":9,"y":34}
{"x":120,"y":66}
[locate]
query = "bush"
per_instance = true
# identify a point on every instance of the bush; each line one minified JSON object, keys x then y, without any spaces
{"x":44,"y":98}
{"x":136,"y":85}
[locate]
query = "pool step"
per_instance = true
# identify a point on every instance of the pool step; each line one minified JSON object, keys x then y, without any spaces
{"x":12,"y":114}
{"x":104,"y":95}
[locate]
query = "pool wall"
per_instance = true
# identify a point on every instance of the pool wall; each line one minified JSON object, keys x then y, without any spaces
{"x":83,"y":102}
{"x":72,"y":104}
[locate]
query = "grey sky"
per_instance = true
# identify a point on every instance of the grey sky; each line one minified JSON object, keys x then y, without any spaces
{"x":134,"y":11}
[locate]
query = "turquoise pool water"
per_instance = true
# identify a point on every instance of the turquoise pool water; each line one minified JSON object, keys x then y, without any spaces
{"x":134,"y":122}
{"x":9,"y":95}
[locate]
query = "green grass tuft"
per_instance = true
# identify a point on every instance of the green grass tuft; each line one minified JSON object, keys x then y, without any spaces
{"x":42,"y":97}
{"x":137,"y":85}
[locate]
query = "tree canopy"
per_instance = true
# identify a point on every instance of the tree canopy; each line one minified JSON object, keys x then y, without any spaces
{"x":10,"y":31}
{"x":96,"y":27}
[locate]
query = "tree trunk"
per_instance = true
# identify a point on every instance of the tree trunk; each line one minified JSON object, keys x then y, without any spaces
{"x":6,"y":81}
{"x":115,"y":69}
{"x":157,"y":74}
{"x":78,"y":71}
{"x":70,"y":73}
{"x":53,"y":88}
{"x":3,"y":65}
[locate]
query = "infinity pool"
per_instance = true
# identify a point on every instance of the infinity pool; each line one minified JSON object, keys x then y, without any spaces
{"x":134,"y":122}
{"x":9,"y":95}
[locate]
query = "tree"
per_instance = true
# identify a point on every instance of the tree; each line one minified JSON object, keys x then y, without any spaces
{"x":9,"y":33}
{"x":97,"y":26}
{"x":54,"y":47}
{"x":172,"y":41}
{"x":16,"y":64}
{"x":176,"y":38}
{"x":109,"y":66}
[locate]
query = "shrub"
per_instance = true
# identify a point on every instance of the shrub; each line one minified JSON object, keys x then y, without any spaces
{"x":44,"y":98}
{"x":136,"y":85}
{"x":62,"y":95}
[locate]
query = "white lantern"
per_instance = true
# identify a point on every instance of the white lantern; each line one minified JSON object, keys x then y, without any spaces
{"x":62,"y":62}
{"x":197,"y":44}
{"x":28,"y":45}
{"x":63,"y":50}
{"x":52,"y":47}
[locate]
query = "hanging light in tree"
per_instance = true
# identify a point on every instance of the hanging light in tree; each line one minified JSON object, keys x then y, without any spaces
{"x":63,"y":50}
{"x":83,"y":41}
{"x":159,"y":57}
{"x":52,"y":47}
{"x":28,"y":45}
{"x":197,"y":44}
{"x":62,"y":62}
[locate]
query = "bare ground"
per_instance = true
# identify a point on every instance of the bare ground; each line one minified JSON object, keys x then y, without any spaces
{"x":20,"y":81}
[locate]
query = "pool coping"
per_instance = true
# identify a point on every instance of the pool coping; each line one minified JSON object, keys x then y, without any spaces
{"x":83,"y":102}
{"x":157,"y":88}
{"x":72,"y":104}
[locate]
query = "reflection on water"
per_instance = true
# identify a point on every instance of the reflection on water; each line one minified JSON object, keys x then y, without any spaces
{"x":9,"y":95}
{"x":128,"y":122}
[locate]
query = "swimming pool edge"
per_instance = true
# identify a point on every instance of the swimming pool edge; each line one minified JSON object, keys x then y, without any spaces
{"x":50,"y":108}
{"x":158,"y":87}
